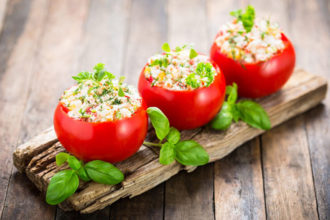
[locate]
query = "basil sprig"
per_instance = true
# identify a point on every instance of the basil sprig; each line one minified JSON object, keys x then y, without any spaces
{"x":247,"y":18}
{"x":64,"y":183}
{"x":187,"y":152}
{"x":98,"y":74}
{"x":248,"y":111}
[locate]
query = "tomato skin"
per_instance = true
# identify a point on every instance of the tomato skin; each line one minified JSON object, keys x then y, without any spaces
{"x":260,"y":79}
{"x":110,"y":141}
{"x":185,"y":109}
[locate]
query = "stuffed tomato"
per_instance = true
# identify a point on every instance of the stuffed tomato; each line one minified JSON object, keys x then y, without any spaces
{"x":184,"y":85}
{"x":259,"y":58}
{"x":101,"y":118}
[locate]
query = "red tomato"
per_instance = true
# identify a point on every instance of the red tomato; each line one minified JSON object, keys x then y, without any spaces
{"x":111,"y":141}
{"x":257,"y":79}
{"x":185,"y":109}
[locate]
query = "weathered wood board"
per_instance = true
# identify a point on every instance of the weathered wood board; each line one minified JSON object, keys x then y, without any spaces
{"x":142,"y":171}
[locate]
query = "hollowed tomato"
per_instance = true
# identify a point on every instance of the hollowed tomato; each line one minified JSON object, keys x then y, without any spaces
{"x":185,"y":109}
{"x":259,"y":79}
{"x":111,"y":141}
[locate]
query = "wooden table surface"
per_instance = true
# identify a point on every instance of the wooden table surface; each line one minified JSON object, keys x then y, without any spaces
{"x":283,"y":174}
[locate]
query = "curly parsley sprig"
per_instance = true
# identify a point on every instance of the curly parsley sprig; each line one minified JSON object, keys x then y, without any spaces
{"x":187,"y":152}
{"x":248,"y":111}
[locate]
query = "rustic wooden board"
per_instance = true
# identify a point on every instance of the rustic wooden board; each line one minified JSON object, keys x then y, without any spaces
{"x":37,"y":157}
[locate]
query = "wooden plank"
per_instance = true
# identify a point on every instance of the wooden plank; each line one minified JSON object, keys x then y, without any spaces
{"x":281,"y":201}
{"x":146,"y":32}
{"x":54,"y":59}
{"x":301,"y":93}
{"x":287,"y":172}
{"x":313,"y":49}
{"x":18,"y":41}
{"x":238,"y":191}
{"x":234,"y":195}
{"x":189,"y":196}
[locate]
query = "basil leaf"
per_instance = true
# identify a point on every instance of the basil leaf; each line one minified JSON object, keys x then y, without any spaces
{"x":193,"y":54}
{"x":191,"y":153}
{"x":61,"y":158}
{"x":253,"y":114}
{"x":166,"y":47}
{"x":159,"y":121}
{"x":231,"y":91}
{"x":73,"y":162}
{"x":62,"y":185}
{"x":223,"y":119}
{"x":167,"y":154}
{"x":173,"y":136}
{"x":83,"y":174}
{"x":103,"y":172}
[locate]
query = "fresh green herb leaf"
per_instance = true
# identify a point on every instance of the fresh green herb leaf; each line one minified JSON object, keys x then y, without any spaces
{"x":253,"y":114}
{"x":121,"y":92}
{"x":231,"y":91}
{"x":83,"y":174}
{"x":103,"y":172}
{"x":159,"y":121}
{"x":167,"y":154}
{"x":61,"y":158}
{"x":166,"y":47}
{"x":82,"y":76}
{"x":173,"y":136}
{"x":193,"y":54}
{"x":190,"y":152}
{"x":73,"y":162}
{"x":246,"y":18}
{"x":223,"y":119}
{"x":62,"y":185}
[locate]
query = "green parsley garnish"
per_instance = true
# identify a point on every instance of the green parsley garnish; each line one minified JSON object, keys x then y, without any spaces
{"x":246,"y":18}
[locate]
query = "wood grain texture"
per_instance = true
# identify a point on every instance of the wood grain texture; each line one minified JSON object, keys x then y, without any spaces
{"x":234,"y":196}
{"x":3,"y":5}
{"x":301,"y":93}
{"x":18,"y":41}
{"x":238,"y":191}
{"x":287,"y":172}
{"x":313,"y":52}
{"x":53,"y":58}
